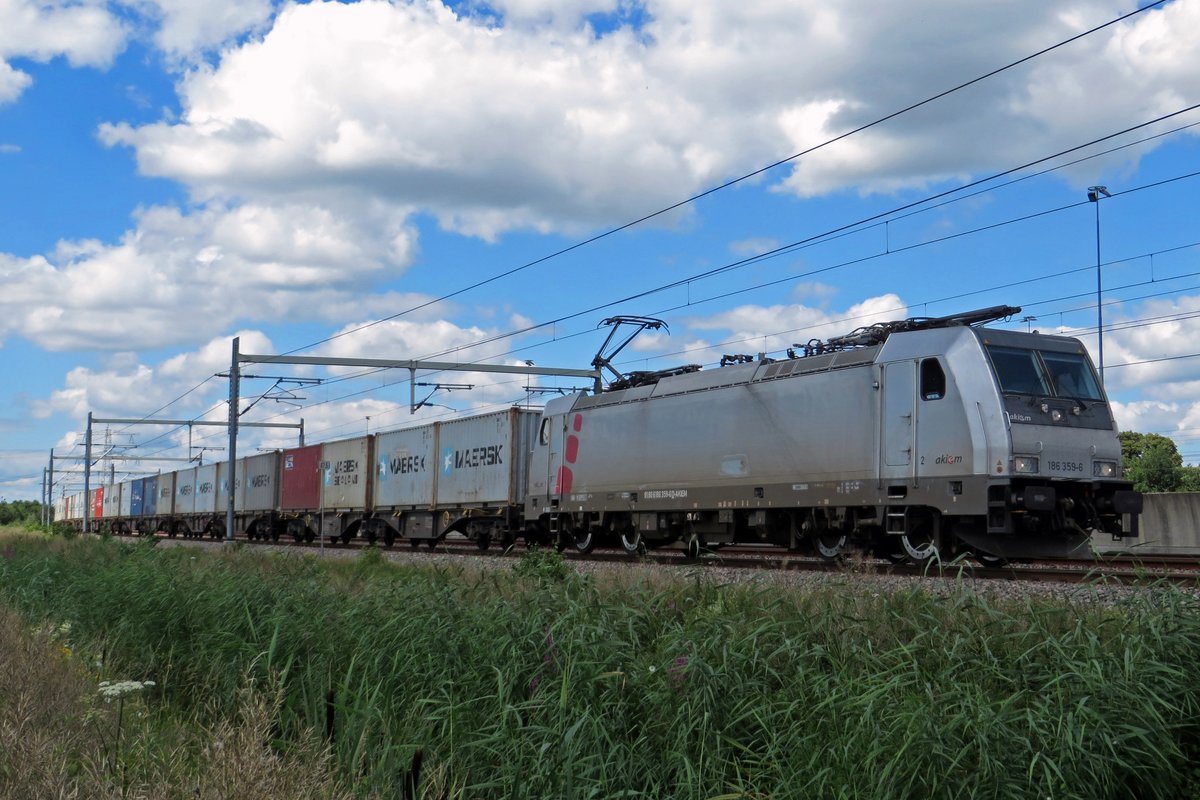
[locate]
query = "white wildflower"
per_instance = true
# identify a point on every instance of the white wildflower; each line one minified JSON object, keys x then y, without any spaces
{"x":114,"y":690}
{"x":654,"y":669}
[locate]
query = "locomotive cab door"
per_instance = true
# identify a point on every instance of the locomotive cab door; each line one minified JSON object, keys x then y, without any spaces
{"x":898,"y":421}
{"x":555,"y":434}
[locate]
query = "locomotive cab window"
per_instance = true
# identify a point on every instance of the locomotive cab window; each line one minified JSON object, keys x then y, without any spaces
{"x":933,"y":380}
{"x":544,"y":434}
{"x":1018,"y":370}
{"x":1072,"y":375}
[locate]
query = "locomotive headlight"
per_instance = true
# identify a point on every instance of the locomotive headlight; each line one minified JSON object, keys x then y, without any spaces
{"x":1104,"y":469}
{"x":1056,"y":415}
{"x":1025,"y":464}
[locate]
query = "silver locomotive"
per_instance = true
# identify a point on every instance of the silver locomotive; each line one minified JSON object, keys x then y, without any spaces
{"x":911,"y":438}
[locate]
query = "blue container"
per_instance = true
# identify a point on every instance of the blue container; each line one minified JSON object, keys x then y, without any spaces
{"x":135,"y":500}
{"x":149,"y":496}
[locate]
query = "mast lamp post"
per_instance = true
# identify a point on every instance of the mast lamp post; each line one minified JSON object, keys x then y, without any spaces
{"x":1094,"y":193}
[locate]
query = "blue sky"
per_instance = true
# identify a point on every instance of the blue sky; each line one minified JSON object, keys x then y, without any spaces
{"x":179,"y":173}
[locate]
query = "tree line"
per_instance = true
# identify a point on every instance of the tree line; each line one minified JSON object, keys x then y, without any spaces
{"x":1153,"y":463}
{"x":20,"y":512}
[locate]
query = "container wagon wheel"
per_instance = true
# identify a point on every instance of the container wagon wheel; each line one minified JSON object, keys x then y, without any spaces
{"x":483,"y":541}
{"x":990,"y":561}
{"x":829,"y":544}
{"x":693,"y":545}
{"x":389,"y":537}
{"x":585,"y":540}
{"x":631,"y":540}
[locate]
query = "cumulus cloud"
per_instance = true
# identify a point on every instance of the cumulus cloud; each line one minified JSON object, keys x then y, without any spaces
{"x":181,"y":277}
{"x":532,"y":125}
{"x":186,"y":28}
{"x":86,"y":34}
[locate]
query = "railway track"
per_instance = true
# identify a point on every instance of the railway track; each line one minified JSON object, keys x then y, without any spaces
{"x":1123,"y":569}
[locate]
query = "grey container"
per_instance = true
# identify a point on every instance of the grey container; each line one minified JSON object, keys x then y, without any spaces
{"x":206,"y":489}
{"x":345,"y":474}
{"x":406,"y":466}
{"x":484,"y":460}
{"x":222,"y":484}
{"x":258,"y":482}
{"x":166,"y":494}
{"x":185,"y":491}
{"x":112,"y":500}
{"x":125,"y":508}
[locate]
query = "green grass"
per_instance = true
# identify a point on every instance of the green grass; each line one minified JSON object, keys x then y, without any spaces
{"x":542,"y":684}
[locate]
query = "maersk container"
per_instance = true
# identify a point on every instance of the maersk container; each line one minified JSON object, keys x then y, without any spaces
{"x":185,"y":491}
{"x":150,"y":496}
{"x":126,"y":499}
{"x":300,"y":479}
{"x":484,"y":460}
{"x":346,"y":473}
{"x":112,"y":500}
{"x":258,"y":482}
{"x":166,"y":494}
{"x":406,"y":467}
{"x":206,"y":489}
{"x":222,"y":483}
{"x":135,"y":497}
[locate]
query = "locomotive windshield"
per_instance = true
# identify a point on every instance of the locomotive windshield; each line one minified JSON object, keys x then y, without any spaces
{"x":1042,"y":372}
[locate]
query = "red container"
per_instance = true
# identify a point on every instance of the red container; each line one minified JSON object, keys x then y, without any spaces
{"x":300,"y":479}
{"x":98,"y":502}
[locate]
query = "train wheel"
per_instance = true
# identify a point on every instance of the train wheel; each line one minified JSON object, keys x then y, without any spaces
{"x":389,"y":537}
{"x":414,"y":543}
{"x":920,"y":544}
{"x":693,"y":546}
{"x":585,"y":541}
{"x":483,"y":541}
{"x":631,"y":540}
{"x":310,"y":535}
{"x":829,"y":544}
{"x":432,"y":543}
{"x":990,"y":561}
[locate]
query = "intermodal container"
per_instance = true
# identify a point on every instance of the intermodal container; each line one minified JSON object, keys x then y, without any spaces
{"x":112,"y":500}
{"x":300,"y":479}
{"x":124,"y":509}
{"x":97,"y":502}
{"x":346,"y":472}
{"x":136,"y":497}
{"x":166,"y":494}
{"x":258,"y":482}
{"x":484,"y":460}
{"x":406,"y":467}
{"x":185,"y":491}
{"x":223,"y":476}
{"x":206,"y":489}
{"x":150,"y":496}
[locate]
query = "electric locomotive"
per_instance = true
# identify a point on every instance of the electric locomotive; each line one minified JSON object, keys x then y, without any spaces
{"x":923,"y":437}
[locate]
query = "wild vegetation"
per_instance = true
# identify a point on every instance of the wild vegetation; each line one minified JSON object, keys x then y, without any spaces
{"x":446,"y":683}
{"x":1153,"y":463}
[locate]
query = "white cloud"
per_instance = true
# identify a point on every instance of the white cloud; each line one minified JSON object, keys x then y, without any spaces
{"x":186,"y":27}
{"x":770,"y":329}
{"x":86,"y":34}
{"x":181,"y":277}
{"x":9,"y":149}
{"x":543,"y":124}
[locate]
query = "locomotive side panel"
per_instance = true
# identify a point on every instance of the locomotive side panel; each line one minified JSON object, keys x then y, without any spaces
{"x":799,"y":429}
